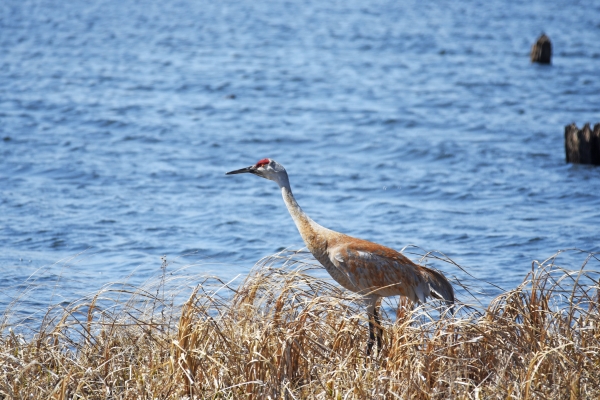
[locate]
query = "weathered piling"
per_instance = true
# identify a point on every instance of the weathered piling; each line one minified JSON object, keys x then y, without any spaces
{"x":582,"y":146}
{"x":541,"y":52}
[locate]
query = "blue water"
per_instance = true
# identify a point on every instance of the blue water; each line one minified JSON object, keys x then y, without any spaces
{"x":402,"y":122}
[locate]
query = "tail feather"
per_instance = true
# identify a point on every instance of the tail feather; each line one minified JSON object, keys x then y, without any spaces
{"x":439,"y":287}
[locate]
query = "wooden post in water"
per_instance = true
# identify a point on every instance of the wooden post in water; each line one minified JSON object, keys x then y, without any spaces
{"x":582,"y":146}
{"x":541,"y":52}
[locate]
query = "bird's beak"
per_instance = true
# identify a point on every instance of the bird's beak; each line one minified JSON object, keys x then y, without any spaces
{"x":249,"y":169}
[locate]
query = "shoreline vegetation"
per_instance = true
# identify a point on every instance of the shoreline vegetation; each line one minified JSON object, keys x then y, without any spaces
{"x":285,"y":334}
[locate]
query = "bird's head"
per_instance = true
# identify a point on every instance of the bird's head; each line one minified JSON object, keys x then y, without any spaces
{"x":268,"y":169}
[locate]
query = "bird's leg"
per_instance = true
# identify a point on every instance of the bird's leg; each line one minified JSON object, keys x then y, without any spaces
{"x":371,"y":338}
{"x":378,"y":328}
{"x":375,"y":330}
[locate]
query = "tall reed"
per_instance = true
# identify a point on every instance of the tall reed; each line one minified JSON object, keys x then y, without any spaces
{"x":285,"y":334}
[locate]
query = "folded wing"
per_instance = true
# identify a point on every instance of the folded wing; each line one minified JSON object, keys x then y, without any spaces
{"x":376,"y":269}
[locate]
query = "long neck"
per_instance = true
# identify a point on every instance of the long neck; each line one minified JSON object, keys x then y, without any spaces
{"x":306,"y":226}
{"x":301,"y":220}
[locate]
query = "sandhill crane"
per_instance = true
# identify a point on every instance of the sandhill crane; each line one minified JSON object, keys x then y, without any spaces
{"x":364,"y":267}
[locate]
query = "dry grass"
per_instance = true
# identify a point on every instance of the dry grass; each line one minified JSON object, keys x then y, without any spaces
{"x":285,"y":334}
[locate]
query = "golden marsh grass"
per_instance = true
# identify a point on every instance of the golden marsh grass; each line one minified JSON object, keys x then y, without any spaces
{"x":285,"y":334}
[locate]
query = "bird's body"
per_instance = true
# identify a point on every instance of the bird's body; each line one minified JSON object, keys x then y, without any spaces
{"x":358,"y":265}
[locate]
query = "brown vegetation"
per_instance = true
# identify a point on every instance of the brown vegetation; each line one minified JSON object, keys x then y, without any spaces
{"x":285,"y":334}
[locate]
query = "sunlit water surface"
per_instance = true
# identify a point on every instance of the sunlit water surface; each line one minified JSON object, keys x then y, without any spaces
{"x":402,"y":122}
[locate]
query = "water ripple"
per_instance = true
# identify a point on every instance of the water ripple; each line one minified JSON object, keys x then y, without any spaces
{"x":397,"y":121}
